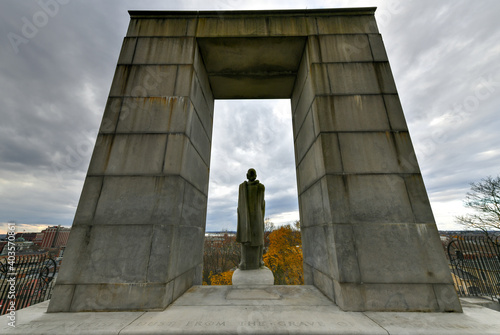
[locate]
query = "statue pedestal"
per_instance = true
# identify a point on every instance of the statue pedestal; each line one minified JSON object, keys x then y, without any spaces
{"x":250,"y":278}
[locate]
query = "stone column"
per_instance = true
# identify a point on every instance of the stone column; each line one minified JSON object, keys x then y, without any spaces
{"x":137,"y":237}
{"x":369,"y":237}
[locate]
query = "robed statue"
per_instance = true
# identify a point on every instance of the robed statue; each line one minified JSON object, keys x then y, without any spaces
{"x":250,"y":233}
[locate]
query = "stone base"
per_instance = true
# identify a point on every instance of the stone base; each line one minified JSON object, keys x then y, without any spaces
{"x":258,"y":277}
{"x":273,"y":309}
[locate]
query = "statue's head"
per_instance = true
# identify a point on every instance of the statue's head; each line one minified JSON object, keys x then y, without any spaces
{"x":251,"y":174}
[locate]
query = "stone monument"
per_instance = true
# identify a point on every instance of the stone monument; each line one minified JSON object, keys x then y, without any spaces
{"x":370,"y":242}
{"x":251,"y":271}
{"x":251,"y":212}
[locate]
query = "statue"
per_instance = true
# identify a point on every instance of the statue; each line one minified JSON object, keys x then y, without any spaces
{"x":250,"y":233}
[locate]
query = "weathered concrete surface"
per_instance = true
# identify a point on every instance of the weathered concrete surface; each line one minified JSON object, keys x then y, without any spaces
{"x":369,"y":237}
{"x":263,"y":68}
{"x":270,"y":310}
{"x":258,"y":277}
{"x":137,"y":237}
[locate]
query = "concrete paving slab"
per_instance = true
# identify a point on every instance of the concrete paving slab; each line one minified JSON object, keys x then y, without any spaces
{"x":210,"y":310}
{"x":266,"y":319}
{"x":474,"y":321}
{"x":292,"y":295}
{"x":34,"y":320}
{"x":251,"y":294}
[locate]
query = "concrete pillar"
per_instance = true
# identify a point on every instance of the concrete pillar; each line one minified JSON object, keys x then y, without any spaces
{"x":369,"y":237}
{"x":137,"y":237}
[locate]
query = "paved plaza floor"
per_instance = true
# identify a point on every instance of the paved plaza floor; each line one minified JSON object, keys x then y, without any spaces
{"x":257,"y":310}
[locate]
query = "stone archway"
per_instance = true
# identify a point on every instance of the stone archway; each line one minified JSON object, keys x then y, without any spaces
{"x":369,"y":235}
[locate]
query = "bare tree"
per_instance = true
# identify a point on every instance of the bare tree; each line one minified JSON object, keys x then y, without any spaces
{"x":269,"y":227}
{"x":484,"y":199}
{"x":221,"y":253}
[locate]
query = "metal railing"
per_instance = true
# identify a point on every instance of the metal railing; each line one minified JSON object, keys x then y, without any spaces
{"x":475,"y":265}
{"x":25,"y":280}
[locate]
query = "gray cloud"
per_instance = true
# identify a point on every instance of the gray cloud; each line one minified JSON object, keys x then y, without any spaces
{"x":248,"y":134}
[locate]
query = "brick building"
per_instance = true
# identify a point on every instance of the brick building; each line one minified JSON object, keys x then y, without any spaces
{"x":55,"y":236}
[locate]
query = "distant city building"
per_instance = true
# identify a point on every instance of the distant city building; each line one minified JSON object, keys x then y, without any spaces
{"x":38,"y":239}
{"x":54,"y":237}
{"x":21,"y":246}
{"x":26,"y":236}
{"x":219,"y":236}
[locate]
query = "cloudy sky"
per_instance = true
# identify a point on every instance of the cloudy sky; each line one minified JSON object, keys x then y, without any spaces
{"x":57,"y":60}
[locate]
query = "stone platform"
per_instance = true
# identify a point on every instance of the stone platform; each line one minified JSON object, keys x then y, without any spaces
{"x":269,"y":310}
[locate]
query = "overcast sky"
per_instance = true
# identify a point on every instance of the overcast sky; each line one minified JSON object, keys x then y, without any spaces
{"x":57,"y":63}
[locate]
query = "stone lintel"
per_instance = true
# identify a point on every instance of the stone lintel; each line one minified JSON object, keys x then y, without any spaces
{"x":149,"y":14}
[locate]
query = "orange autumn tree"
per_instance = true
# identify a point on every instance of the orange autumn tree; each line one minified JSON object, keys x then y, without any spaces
{"x":224,"y":278}
{"x":284,"y":255}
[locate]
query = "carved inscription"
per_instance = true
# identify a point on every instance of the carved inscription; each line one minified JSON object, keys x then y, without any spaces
{"x":201,"y":324}
{"x":281,"y":323}
{"x":181,"y":324}
{"x":205,"y":324}
{"x":413,"y":324}
{"x":295,"y":324}
{"x":249,"y":325}
{"x":155,"y":324}
{"x":71,"y":325}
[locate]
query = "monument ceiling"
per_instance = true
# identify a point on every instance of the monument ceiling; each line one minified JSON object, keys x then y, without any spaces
{"x":252,"y":67}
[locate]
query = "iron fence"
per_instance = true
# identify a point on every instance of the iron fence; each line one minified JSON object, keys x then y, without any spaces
{"x":25,"y":280}
{"x":475,"y":265}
